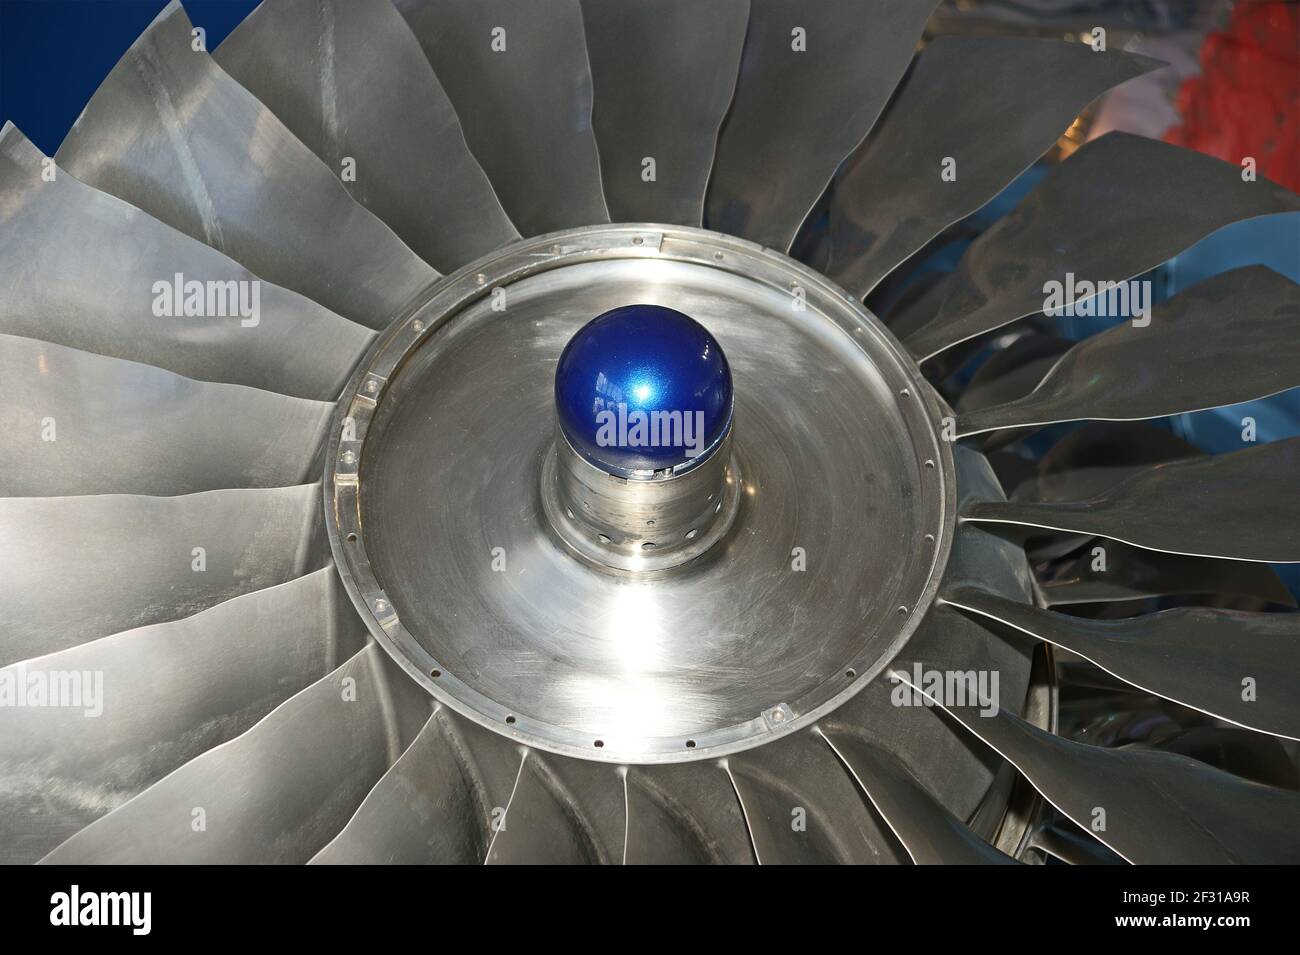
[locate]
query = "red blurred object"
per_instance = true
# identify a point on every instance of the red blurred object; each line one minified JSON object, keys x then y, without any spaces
{"x":1246,"y":100}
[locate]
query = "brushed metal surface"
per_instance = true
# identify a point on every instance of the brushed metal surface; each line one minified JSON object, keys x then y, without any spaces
{"x":1241,"y":505}
{"x":796,"y":113}
{"x":170,"y":692}
{"x":517,"y":73}
{"x":992,"y":104}
{"x":587,"y":664}
{"x":663,"y":73}
{"x":275,"y":794}
{"x":349,"y":79}
{"x":170,"y":132}
{"x":85,"y":567}
{"x":1230,"y":338}
{"x":1118,"y":207}
{"x":83,"y":265}
{"x":120,"y":427}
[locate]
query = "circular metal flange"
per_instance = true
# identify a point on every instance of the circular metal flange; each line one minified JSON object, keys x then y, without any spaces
{"x":433,"y":503}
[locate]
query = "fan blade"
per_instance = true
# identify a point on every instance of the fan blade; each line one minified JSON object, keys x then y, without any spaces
{"x":87,"y":424}
{"x":518,"y":75}
{"x":802,"y":807}
{"x":439,"y":803}
{"x":103,"y":265}
{"x":1243,"y":505}
{"x":1228,"y":339}
{"x":682,"y":814}
{"x":692,"y":51}
{"x":348,"y":78}
{"x":275,"y":794}
{"x":563,"y":812}
{"x":1073,"y":848}
{"x":1131,"y":573}
{"x":162,"y":696}
{"x":1156,"y":808}
{"x":172,"y":134}
{"x":77,"y":568}
{"x":931,"y":834}
{"x":1231,"y":664}
{"x":1012,"y":372}
{"x":1117,"y":208}
{"x":891,"y":198}
{"x":820,"y":74}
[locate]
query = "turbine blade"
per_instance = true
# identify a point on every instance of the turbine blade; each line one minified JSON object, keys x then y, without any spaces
{"x":78,"y":568}
{"x":439,"y":803}
{"x":171,"y":133}
{"x":685,"y":813}
{"x":90,"y":271}
{"x":87,"y":424}
{"x":891,"y":198}
{"x":563,"y":812}
{"x":1150,"y":807}
{"x":1228,"y":339}
{"x":1117,"y":208}
{"x":162,"y":695}
{"x":275,"y":794}
{"x":930,"y":833}
{"x":1241,"y":505}
{"x":692,"y":52}
{"x":819,"y":74}
{"x":802,"y":807}
{"x":348,"y":78}
{"x":517,"y":73}
{"x":1235,"y":665}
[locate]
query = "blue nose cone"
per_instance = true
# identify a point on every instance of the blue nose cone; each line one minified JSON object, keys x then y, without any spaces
{"x":643,"y":388}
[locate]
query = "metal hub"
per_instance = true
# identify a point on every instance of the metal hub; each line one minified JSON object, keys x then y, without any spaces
{"x":453,"y":503}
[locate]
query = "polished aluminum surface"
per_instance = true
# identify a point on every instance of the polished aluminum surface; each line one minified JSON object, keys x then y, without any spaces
{"x":517,"y":73}
{"x":171,"y":692}
{"x":890,"y":198}
{"x":703,"y":662}
{"x":1245,"y":506}
{"x":663,"y":72}
{"x":98,"y":259}
{"x":1159,"y":807}
{"x":120,"y":427}
{"x":1118,"y":207}
{"x":277,"y":793}
{"x":1198,"y":656}
{"x":349,"y":79}
{"x":797,"y":113}
{"x":170,"y":132}
{"x":1228,"y":339}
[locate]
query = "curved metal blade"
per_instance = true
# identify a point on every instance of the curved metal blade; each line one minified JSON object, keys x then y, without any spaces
{"x":1012,"y":372}
{"x":1228,"y":339}
{"x":1131,"y":573}
{"x":171,"y":133}
{"x":154,"y":698}
{"x":931,"y":834}
{"x":1231,"y":664}
{"x":562,"y":812}
{"x":813,"y":80}
{"x":348,"y":79}
{"x":518,"y":75}
{"x":275,"y":794}
{"x":79,"y":423}
{"x":890,"y":199}
{"x":684,"y":814}
{"x":86,"y":269}
{"x":1094,"y":457}
{"x":77,"y":568}
{"x":663,"y":72}
{"x":1117,"y":208}
{"x":802,"y":807}
{"x":1241,"y":505}
{"x":1150,"y":807}
{"x":439,"y":803}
